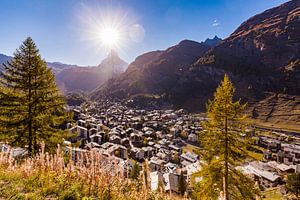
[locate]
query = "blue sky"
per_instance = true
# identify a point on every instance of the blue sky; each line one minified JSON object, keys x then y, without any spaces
{"x":61,"y":28}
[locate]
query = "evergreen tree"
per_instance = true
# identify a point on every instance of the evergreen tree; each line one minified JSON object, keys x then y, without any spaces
{"x":224,"y":142}
{"x":31,"y":107}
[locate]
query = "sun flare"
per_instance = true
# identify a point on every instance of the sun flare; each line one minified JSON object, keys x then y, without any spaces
{"x":110,"y":37}
{"x":108,"y":29}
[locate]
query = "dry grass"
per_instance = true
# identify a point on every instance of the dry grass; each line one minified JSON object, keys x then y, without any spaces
{"x":190,"y":148}
{"x":272,"y":194}
{"x":52,"y":177}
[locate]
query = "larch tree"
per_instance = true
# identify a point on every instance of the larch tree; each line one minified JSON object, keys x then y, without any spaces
{"x":225,"y":143}
{"x":31,"y":106}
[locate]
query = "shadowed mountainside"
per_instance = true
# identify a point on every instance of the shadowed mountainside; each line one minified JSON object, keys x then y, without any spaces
{"x":155,"y":72}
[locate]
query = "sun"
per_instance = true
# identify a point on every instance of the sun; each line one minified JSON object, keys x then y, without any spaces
{"x":109,"y":28}
{"x":110,"y":37}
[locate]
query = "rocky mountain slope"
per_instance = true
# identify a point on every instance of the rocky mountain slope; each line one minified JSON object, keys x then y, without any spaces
{"x":262,"y":57}
{"x":213,"y":42}
{"x":4,"y":58}
{"x":155,"y":72}
{"x":277,"y":108}
{"x":88,"y":78}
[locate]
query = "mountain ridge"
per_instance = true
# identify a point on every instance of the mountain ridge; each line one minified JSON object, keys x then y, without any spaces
{"x":71,"y":77}
{"x":88,"y":78}
{"x":149,"y":69}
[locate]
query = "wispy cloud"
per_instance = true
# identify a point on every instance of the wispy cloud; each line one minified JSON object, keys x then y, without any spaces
{"x":216,"y":23}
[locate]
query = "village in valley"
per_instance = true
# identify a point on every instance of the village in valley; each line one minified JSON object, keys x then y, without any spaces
{"x":165,"y":139}
{"x":150,"y":100}
{"x":166,"y":144}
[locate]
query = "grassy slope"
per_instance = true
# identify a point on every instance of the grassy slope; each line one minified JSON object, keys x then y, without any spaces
{"x":50,"y":177}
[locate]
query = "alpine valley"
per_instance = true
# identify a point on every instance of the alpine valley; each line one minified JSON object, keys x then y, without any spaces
{"x":262,"y":57}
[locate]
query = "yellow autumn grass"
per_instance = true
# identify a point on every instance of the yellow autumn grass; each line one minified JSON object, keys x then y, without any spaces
{"x":93,"y":176}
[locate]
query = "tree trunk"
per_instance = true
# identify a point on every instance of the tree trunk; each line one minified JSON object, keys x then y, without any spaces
{"x":29,"y":120}
{"x":225,"y":184}
{"x":30,"y":137}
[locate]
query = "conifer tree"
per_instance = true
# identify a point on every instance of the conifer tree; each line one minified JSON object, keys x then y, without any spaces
{"x":224,"y":142}
{"x":31,"y":106}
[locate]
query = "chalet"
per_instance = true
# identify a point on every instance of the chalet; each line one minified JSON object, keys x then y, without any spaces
{"x":118,"y":151}
{"x":156,"y":180}
{"x":149,"y":134}
{"x":82,"y":131}
{"x":146,"y":129}
{"x":125,"y":142}
{"x":129,"y":131}
{"x":107,"y":145}
{"x":93,"y":131}
{"x":282,"y":168}
{"x":148,"y":151}
{"x":93,"y":125}
{"x":157,"y":147}
{"x":164,"y":142}
{"x":115,"y":139}
{"x":173,"y":131}
{"x":192,"y":137}
{"x":92,"y":145}
{"x":269,"y":143}
{"x":164,"y":156}
{"x":156,"y":164}
{"x":293,"y":150}
{"x":82,"y":123}
{"x":136,"y":138}
{"x":137,"y":153}
{"x":169,"y":136}
{"x":151,"y":143}
{"x":285,"y":169}
{"x":159,"y":134}
{"x":175,"y":148}
{"x":285,"y":157}
{"x":267,"y":155}
{"x":97,"y":138}
{"x":190,"y":157}
{"x":170,"y":167}
{"x":171,"y":182}
{"x":78,"y":154}
{"x":263,"y":177}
